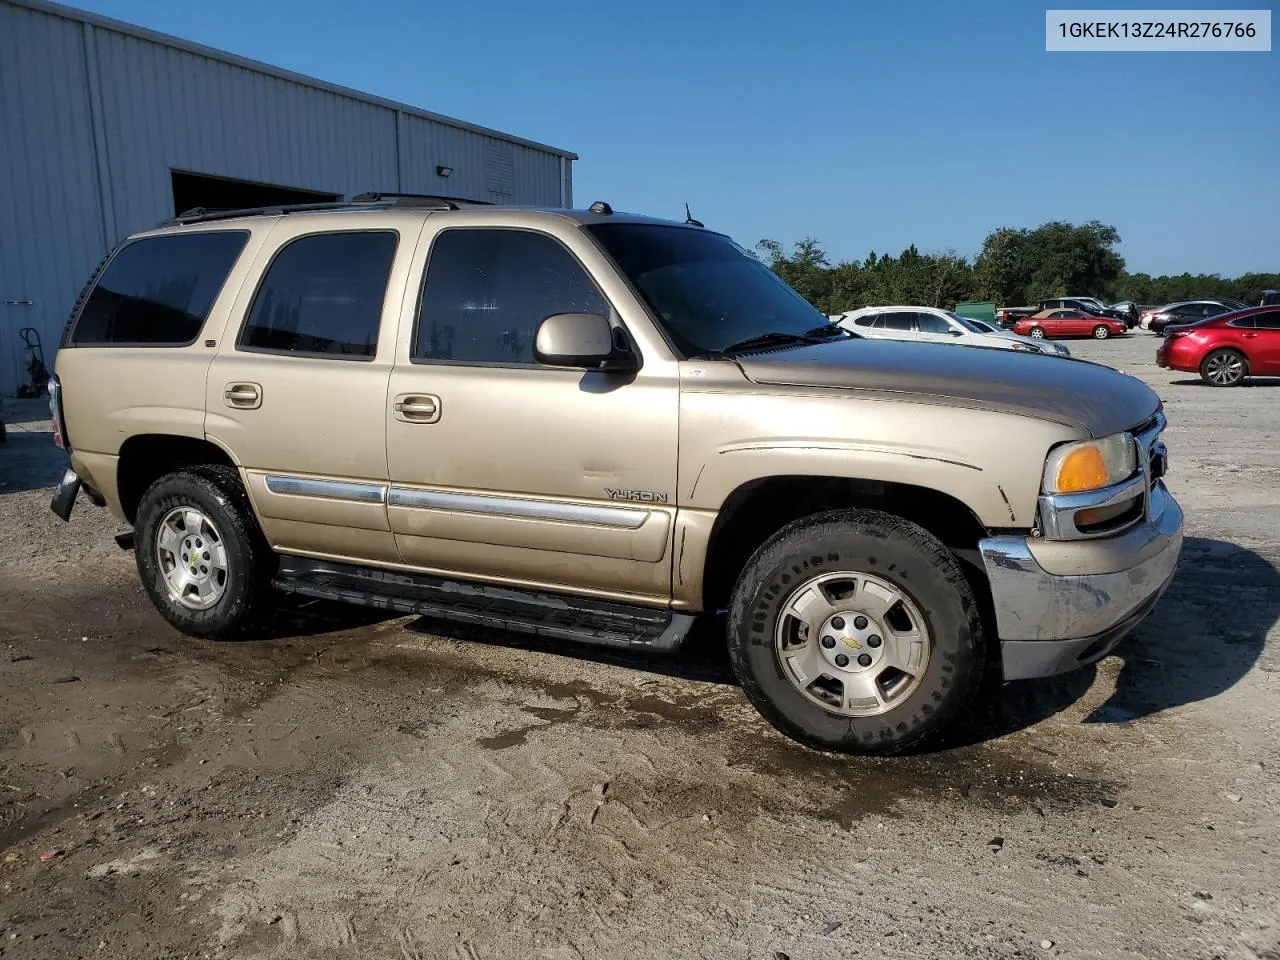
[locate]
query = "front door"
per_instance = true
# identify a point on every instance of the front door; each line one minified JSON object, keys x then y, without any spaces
{"x":506,"y":470}
{"x":297,"y":392}
{"x":931,"y":328}
{"x":1265,"y":344}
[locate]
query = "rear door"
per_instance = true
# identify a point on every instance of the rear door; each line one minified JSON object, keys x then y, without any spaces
{"x":897,"y":325}
{"x":297,"y":391}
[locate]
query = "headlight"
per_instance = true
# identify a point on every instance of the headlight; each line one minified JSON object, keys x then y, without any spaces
{"x":1090,"y":464}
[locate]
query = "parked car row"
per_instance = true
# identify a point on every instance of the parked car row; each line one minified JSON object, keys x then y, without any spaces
{"x":1226,"y":349}
{"x":931,"y":325}
{"x":1157,"y":319}
{"x":1125,"y":311}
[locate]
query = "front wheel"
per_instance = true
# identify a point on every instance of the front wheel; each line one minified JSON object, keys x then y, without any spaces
{"x":1100,"y":332}
{"x":1037,"y":333}
{"x":200,"y":553}
{"x":856,"y":631}
{"x":1224,"y":368}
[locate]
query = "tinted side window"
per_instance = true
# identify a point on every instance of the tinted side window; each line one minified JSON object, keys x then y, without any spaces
{"x":932,"y":323}
{"x":486,"y":291}
{"x":158,"y":290}
{"x":1247,"y":322}
{"x":1267,"y":321}
{"x":322,"y":296}
{"x":898,"y":321}
{"x":866,"y":321}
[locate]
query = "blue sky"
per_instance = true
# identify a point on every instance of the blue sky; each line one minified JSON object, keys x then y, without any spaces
{"x":868,"y":125}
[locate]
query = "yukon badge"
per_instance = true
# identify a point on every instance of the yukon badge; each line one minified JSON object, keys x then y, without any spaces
{"x":648,"y":496}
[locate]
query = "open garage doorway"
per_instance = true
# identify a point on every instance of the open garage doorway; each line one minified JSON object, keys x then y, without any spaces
{"x":191,"y":190}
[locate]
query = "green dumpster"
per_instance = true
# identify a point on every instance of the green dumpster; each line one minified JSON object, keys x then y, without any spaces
{"x":978,"y":310}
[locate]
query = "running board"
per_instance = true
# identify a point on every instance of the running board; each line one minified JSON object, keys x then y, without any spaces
{"x":578,"y":619}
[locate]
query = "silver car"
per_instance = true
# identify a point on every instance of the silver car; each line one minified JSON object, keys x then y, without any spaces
{"x":932,"y":325}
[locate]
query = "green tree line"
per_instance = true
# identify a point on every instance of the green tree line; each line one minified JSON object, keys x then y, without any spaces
{"x":1017,"y":267}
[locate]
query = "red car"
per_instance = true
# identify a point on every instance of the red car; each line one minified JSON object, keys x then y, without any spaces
{"x":1069,"y":323}
{"x":1227,"y":348}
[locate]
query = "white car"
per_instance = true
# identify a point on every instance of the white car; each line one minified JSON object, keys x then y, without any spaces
{"x":931,"y":325}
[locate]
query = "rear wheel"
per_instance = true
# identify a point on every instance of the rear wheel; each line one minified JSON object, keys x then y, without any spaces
{"x":856,"y":631}
{"x":1101,"y":332}
{"x":1224,"y":368}
{"x":200,"y":553}
{"x":1037,"y":332}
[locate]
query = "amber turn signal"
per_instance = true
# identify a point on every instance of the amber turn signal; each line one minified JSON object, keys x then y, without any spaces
{"x":1082,"y":469}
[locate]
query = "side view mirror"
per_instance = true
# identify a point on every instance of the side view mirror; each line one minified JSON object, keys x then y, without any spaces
{"x":584,"y":340}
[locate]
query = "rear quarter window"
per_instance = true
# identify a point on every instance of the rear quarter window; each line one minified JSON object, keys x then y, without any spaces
{"x":157,"y":291}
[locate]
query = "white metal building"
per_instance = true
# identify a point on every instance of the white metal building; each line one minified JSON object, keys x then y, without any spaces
{"x":107,"y":128}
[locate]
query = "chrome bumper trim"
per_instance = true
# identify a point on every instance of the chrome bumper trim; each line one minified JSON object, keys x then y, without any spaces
{"x":1032,"y":604}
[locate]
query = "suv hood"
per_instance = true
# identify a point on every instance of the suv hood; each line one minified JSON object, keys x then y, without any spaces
{"x":1076,"y":393}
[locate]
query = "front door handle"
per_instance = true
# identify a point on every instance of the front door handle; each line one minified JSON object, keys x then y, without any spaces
{"x":1250,"y":336}
{"x":417,"y":408}
{"x":243,"y":396}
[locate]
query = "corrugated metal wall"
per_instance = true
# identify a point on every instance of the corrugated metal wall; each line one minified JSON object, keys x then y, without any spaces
{"x":95,"y":116}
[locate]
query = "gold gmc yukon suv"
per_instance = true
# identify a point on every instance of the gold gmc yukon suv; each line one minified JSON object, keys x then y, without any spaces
{"x":593,"y":427}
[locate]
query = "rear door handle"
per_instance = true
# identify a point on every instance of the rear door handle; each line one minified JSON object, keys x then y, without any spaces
{"x":417,"y":408}
{"x":243,"y":396}
{"x":1250,"y":336}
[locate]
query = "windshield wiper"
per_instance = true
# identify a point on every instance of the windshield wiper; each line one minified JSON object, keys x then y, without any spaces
{"x":773,"y":339}
{"x":827,"y":331}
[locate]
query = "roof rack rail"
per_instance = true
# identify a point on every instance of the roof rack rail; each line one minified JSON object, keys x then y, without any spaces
{"x":427,"y":200}
{"x":420,"y":201}
{"x":202,"y":214}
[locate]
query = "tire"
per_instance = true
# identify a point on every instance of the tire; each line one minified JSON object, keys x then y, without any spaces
{"x":1101,"y":332}
{"x":1037,"y":332}
{"x":884,"y":555}
{"x":1224,"y":368}
{"x":235,"y":589}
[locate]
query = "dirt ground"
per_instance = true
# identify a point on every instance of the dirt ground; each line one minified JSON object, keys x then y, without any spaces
{"x":357,"y":787}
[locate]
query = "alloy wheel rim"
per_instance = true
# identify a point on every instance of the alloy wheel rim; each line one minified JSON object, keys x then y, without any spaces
{"x":852,"y":643}
{"x":1038,"y":333}
{"x":1100,"y":333}
{"x":1225,"y":368}
{"x":192,"y":558}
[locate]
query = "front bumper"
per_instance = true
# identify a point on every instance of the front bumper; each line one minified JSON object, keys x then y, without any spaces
{"x":1052,"y":622}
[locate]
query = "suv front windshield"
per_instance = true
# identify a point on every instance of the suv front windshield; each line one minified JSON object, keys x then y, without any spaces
{"x":707,"y":292}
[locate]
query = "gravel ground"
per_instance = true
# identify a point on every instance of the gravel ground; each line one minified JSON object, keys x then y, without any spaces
{"x":350,"y":786}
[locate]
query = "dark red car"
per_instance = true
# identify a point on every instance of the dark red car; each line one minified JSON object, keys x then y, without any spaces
{"x":1227,"y":348}
{"x":1069,"y":323}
